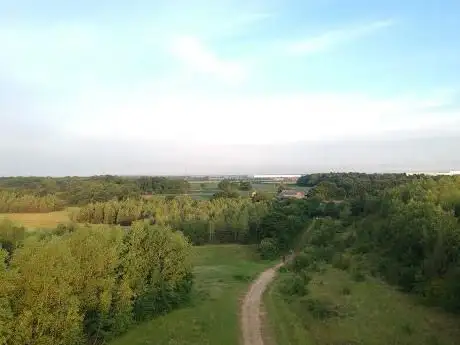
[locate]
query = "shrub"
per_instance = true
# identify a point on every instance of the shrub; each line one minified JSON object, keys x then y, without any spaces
{"x":341,"y":262}
{"x":357,"y":275}
{"x":407,"y":328}
{"x":301,"y":262}
{"x":321,"y":309}
{"x":268,"y":249}
{"x":346,"y":291}
{"x":295,"y":284}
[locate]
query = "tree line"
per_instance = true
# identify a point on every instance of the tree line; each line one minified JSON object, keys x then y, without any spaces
{"x":77,"y":191}
{"x":406,"y":231}
{"x":340,"y":186}
{"x":81,"y":285}
{"x":13,"y":202}
{"x":223,"y":220}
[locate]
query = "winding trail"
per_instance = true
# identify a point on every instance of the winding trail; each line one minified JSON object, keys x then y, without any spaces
{"x":251,"y":323}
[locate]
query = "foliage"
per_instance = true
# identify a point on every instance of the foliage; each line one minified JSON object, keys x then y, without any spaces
{"x":268,"y":249}
{"x":162,"y":185}
{"x":218,"y":221}
{"x":81,"y":284}
{"x":13,"y":202}
{"x":227,"y":185}
{"x":45,"y":194}
{"x":227,"y":193}
{"x":402,"y":228}
{"x":245,"y":185}
{"x":294,"y":284}
{"x":11,"y":236}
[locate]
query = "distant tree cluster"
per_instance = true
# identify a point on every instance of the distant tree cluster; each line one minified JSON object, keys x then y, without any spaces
{"x":85,"y":285}
{"x":349,"y":185}
{"x":227,"y":185}
{"x":77,"y":191}
{"x":11,"y":202}
{"x":162,"y":185}
{"x":219,"y":221}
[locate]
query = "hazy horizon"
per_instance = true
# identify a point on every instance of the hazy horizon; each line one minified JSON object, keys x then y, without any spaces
{"x":233,"y":87}
{"x":387,"y":154}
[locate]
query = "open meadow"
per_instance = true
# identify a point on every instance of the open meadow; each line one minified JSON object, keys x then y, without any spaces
{"x":340,"y":310}
{"x":33,"y":221}
{"x":206,"y":189}
{"x":222,"y":275}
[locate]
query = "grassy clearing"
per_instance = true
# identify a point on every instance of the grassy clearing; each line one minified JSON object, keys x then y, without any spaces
{"x":222,"y":275}
{"x":38,"y":220}
{"x":339,"y":310}
{"x":204,"y":190}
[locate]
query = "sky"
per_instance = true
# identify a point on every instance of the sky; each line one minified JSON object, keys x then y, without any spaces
{"x":228,"y":86}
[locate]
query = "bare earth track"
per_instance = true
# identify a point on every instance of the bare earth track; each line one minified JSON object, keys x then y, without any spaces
{"x":251,"y":322}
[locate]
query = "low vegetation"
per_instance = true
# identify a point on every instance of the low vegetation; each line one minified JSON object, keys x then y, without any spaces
{"x":338,"y":310}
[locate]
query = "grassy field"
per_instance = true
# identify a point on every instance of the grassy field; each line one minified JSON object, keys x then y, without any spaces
{"x":222,"y":275}
{"x":37,"y":220}
{"x":339,"y":311}
{"x":205,"y":190}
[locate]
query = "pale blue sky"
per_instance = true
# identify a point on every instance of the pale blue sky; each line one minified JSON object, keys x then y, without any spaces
{"x":196,"y":77}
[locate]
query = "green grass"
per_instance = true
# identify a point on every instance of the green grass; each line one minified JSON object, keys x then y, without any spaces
{"x":222,"y":275}
{"x":204,"y":190}
{"x":368,"y":312}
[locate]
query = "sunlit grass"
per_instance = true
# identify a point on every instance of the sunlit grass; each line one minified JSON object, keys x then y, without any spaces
{"x":370,"y":313}
{"x":38,"y":220}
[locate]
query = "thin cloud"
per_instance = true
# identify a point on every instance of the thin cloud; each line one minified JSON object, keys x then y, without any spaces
{"x":194,"y":54}
{"x":331,"y":39}
{"x":331,"y":115}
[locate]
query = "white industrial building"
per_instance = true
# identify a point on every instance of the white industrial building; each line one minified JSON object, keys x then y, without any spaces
{"x":450,"y":173}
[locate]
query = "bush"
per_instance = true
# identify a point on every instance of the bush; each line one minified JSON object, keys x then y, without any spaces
{"x":295,"y":284}
{"x":243,"y":277}
{"x":358,"y":275}
{"x":268,"y":249}
{"x":407,"y":328}
{"x":301,"y":262}
{"x":346,"y":291}
{"x":321,"y":309}
{"x":341,"y":262}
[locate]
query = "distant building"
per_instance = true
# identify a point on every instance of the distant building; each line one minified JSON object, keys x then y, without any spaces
{"x":276,"y":177}
{"x":291,"y":194}
{"x":450,"y":173}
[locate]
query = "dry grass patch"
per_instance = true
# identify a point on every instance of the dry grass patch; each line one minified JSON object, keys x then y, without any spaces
{"x":38,"y":220}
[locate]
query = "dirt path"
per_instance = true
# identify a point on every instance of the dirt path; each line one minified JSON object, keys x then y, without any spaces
{"x":251,"y":323}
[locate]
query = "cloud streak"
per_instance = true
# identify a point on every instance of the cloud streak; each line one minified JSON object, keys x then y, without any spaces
{"x":331,"y":39}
